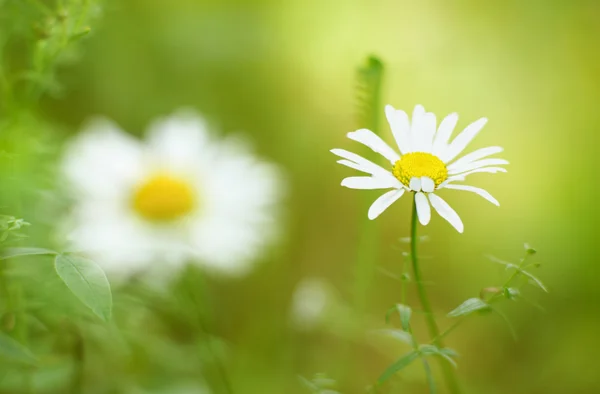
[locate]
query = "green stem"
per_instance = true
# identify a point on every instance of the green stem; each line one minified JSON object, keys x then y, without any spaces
{"x":434,"y":332}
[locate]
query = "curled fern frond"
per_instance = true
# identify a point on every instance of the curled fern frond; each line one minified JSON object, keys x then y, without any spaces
{"x":368,"y":93}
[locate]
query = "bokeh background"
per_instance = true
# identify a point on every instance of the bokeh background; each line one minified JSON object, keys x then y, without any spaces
{"x":285,"y":73}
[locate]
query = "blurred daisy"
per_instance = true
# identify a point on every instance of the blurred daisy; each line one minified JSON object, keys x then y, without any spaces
{"x":178,"y":197}
{"x":312,"y":297}
{"x":427,"y":163}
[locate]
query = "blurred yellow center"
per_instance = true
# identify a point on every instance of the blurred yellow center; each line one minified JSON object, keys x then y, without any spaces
{"x":418,"y":164}
{"x":164,"y":198}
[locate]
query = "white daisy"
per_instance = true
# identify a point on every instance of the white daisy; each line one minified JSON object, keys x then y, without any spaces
{"x":426,"y":163}
{"x":178,"y":197}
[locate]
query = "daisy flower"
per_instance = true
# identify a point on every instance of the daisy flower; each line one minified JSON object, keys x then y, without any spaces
{"x":179,"y":196}
{"x":427,"y":163}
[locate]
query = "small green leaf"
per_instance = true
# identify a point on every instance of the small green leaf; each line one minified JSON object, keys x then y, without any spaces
{"x":80,"y":35}
{"x":87,"y":281}
{"x":511,"y":293}
{"x":502,"y":262}
{"x":400,"y":364}
{"x":400,"y":335}
{"x":449,"y":352}
{"x":18,"y":252}
{"x":14,"y":351}
{"x":404,"y":311}
{"x":469,"y":306}
{"x":534,"y":280}
{"x":431,"y":350}
{"x":529,"y":249}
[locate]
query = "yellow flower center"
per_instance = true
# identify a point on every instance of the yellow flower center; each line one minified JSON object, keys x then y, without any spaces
{"x":418,"y":164}
{"x":164,"y":198}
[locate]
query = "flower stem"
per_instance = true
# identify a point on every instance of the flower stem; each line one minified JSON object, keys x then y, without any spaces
{"x":434,"y":331}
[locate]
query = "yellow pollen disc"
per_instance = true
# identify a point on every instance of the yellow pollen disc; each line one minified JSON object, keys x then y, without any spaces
{"x":164,"y":198}
{"x":418,"y":164}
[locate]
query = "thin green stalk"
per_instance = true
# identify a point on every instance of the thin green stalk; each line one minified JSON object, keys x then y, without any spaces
{"x":434,"y":332}
{"x":447,"y":331}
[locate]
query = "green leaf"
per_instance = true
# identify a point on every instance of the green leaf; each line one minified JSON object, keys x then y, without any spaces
{"x":469,"y":306}
{"x":432,"y":350}
{"x":449,"y":352}
{"x":404,"y":311}
{"x":400,"y":364}
{"x":502,"y":262}
{"x":529,"y":249}
{"x":14,"y":351}
{"x":80,"y":35}
{"x":511,"y":293}
{"x":534,"y":280}
{"x":400,"y":335}
{"x":87,"y":281}
{"x":18,"y":252}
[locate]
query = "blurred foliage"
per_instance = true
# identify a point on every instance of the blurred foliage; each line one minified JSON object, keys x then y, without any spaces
{"x":284,"y":72}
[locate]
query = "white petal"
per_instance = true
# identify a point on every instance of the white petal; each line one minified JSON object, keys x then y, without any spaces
{"x":351,"y":164}
{"x":415,"y":184}
{"x":457,"y":178}
{"x":400,"y":126}
{"x":368,"y":182}
{"x":462,"y":140}
{"x":174,"y":141}
{"x":445,"y":211}
{"x":103,"y":162}
{"x":476,"y":190}
{"x":440,"y":143}
{"x":427,"y":184}
{"x":373,"y":141}
{"x":422,"y":131}
{"x":365,"y":165}
{"x":477,"y":164}
{"x":417,"y":113}
{"x":423,"y":208}
{"x":429,"y":128}
{"x":489,"y":170}
{"x":417,"y":125}
{"x":473,"y":156}
{"x":383,"y":202}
